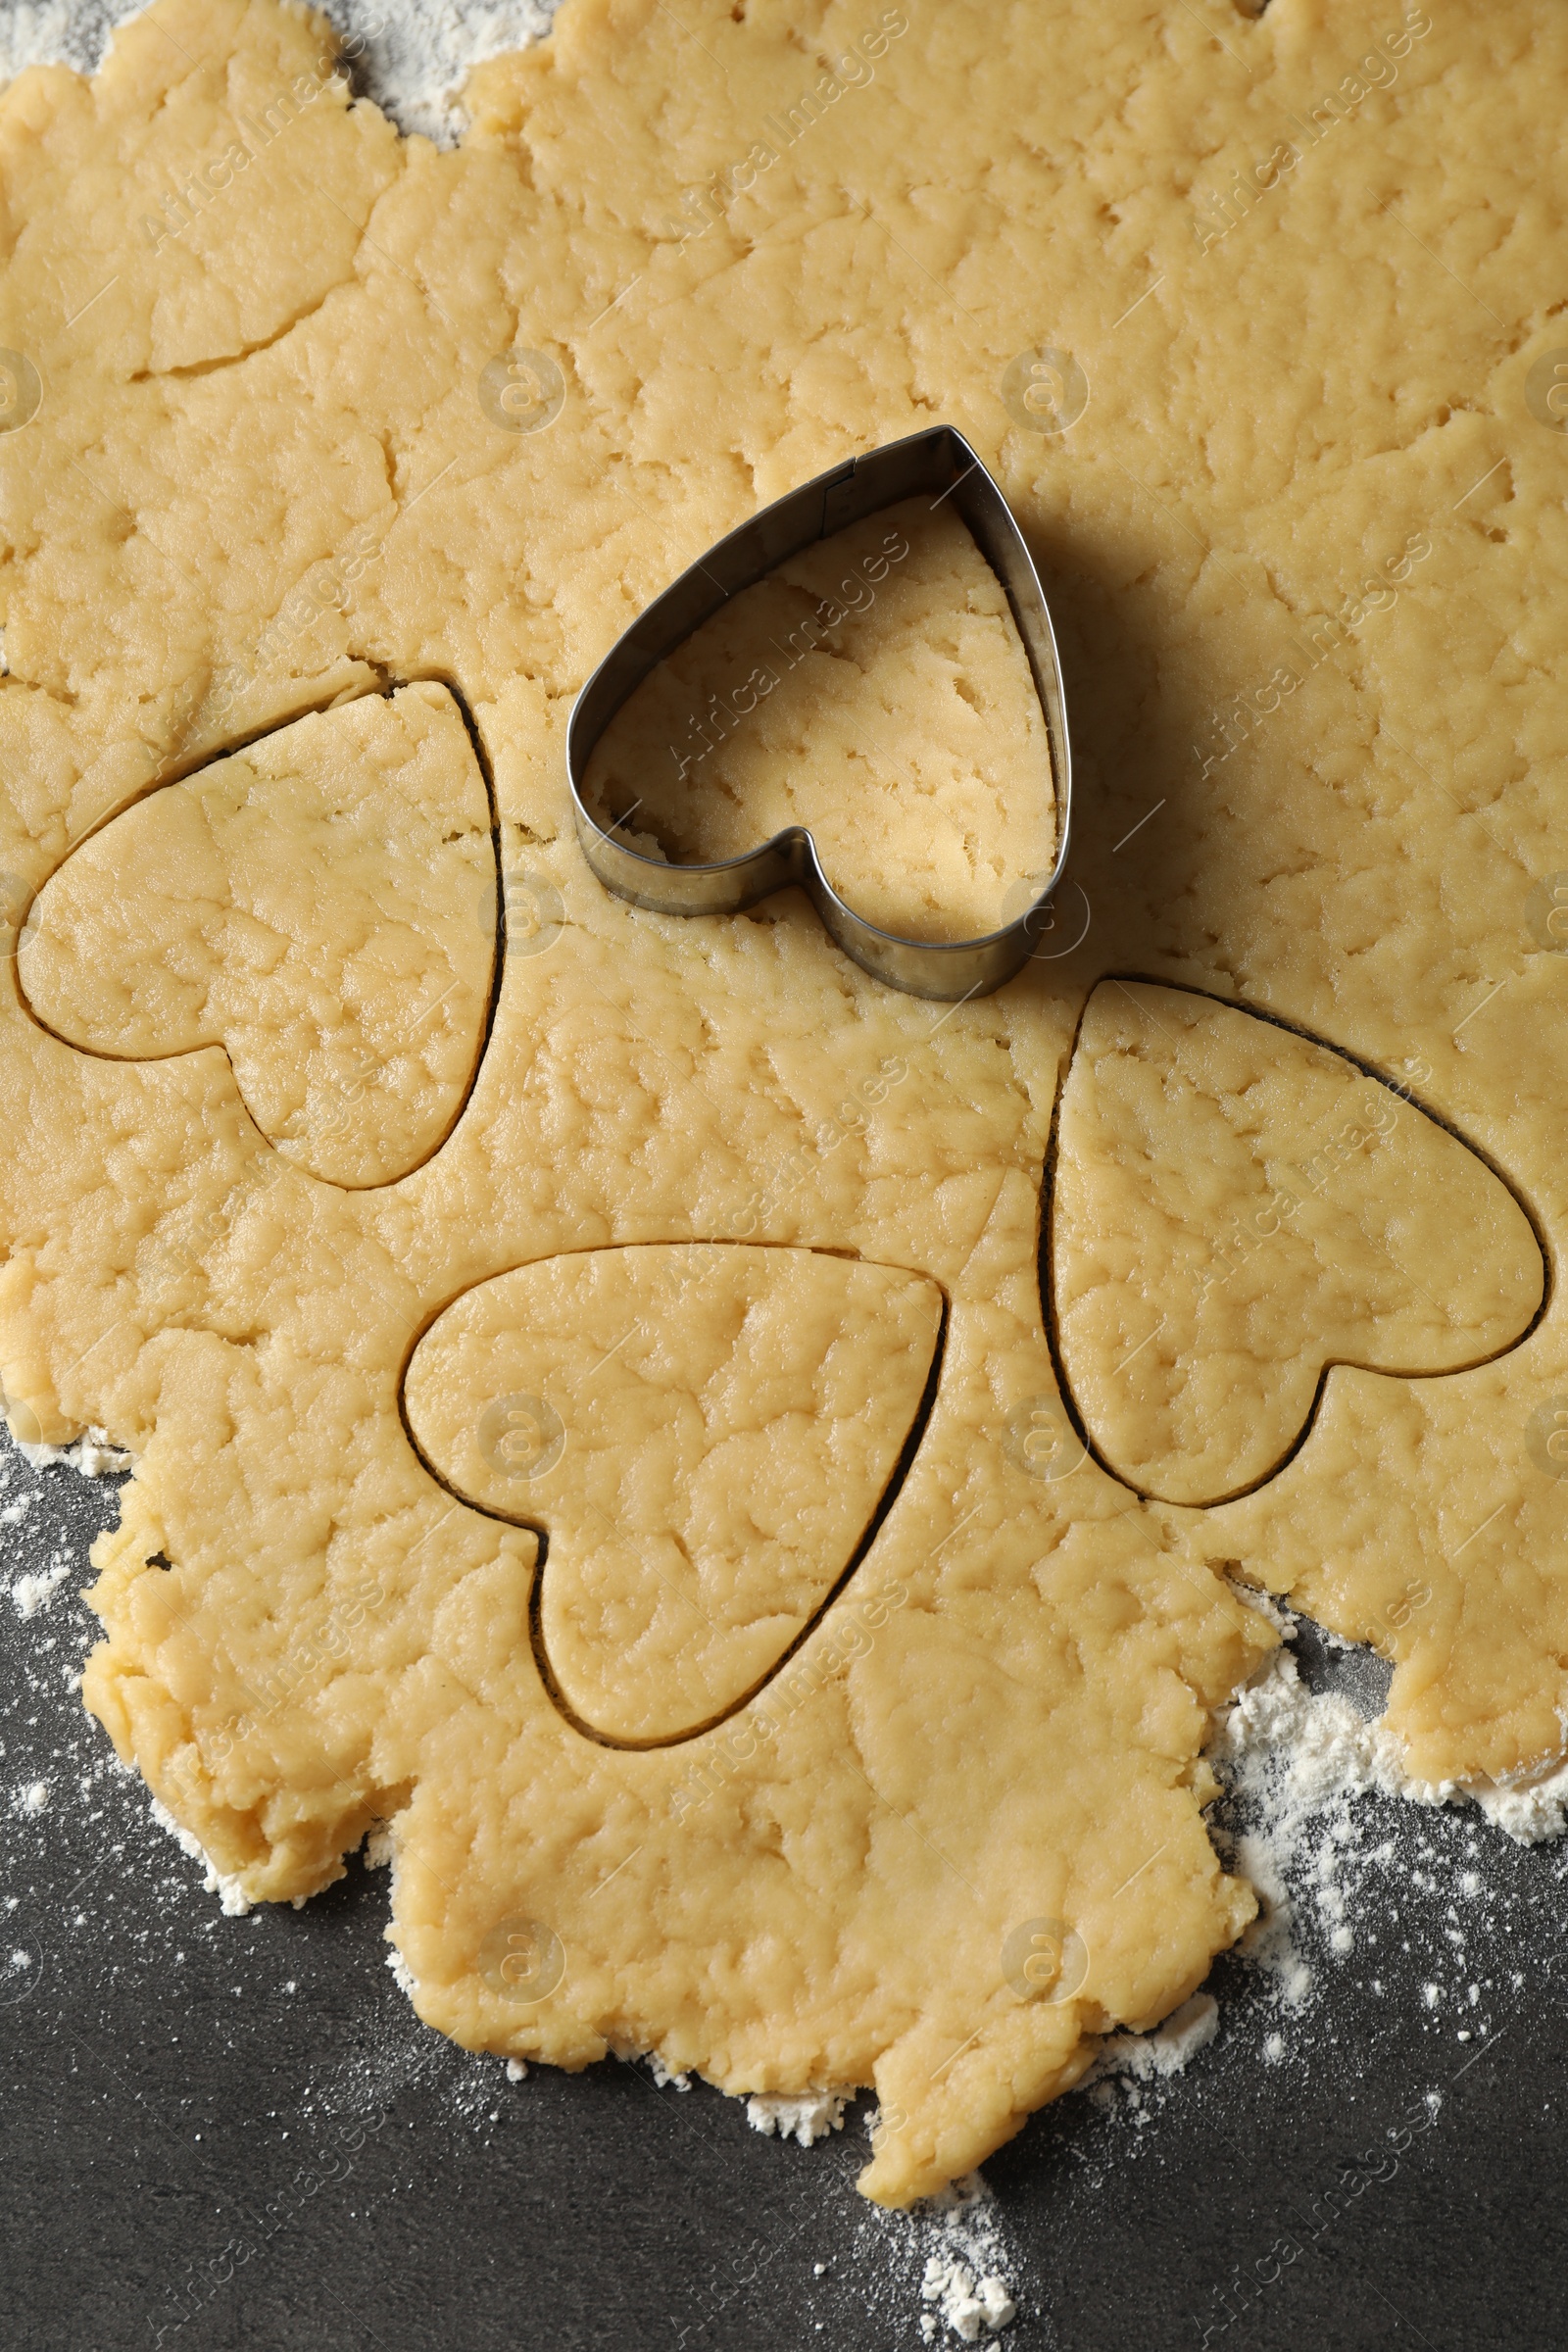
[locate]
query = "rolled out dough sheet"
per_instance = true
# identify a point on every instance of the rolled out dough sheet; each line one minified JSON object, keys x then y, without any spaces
{"x":669,"y":1250}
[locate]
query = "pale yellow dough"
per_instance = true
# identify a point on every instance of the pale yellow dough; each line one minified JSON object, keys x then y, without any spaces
{"x":706,"y":1432}
{"x":1235,"y":1209}
{"x":873,"y":689}
{"x":323,"y":905}
{"x":1304,"y":536}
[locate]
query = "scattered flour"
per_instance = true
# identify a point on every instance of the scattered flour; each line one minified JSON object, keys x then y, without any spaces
{"x":968,"y":2303}
{"x":664,"y":2078}
{"x":1301,"y":1750}
{"x":418,"y":53}
{"x":234,"y":1902}
{"x":807,"y":2119}
{"x":1166,"y":2051}
{"x":30,"y":1593}
{"x":1294,"y":1759}
{"x":1135,"y":2063}
{"x":1298,"y":1764}
{"x":963,"y":2262}
{"x":411,"y":56}
{"x":38,"y":32}
{"x":1334,"y":1876}
{"x":947,"y":2252}
{"x":92,"y":1454}
{"x":1530,"y":1813}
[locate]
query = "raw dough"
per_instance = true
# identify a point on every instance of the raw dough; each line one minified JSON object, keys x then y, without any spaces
{"x":1234,"y":1209}
{"x":1304,"y":535}
{"x":706,"y":1432}
{"x":323,"y":905}
{"x":859,"y":691}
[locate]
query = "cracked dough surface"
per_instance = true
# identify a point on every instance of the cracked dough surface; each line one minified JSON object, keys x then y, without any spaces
{"x":1304,"y":545}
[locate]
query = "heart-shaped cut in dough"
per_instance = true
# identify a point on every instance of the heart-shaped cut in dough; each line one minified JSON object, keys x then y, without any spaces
{"x":321,"y":905}
{"x":873,"y":689}
{"x":704,"y":1429}
{"x":1237,"y":1207}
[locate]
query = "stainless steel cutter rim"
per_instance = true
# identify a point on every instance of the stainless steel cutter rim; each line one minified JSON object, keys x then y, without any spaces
{"x":940,"y":459}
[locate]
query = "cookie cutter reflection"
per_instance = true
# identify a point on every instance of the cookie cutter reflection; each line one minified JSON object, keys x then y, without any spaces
{"x":1547,"y":915}
{"x":1046,"y":391}
{"x":535,"y":915}
{"x":1045,"y":1960}
{"x":1041,"y":1440}
{"x":521,"y":391}
{"x":1547,"y":1437}
{"x":20,"y":391}
{"x":521,"y":1960}
{"x":1546,"y":390}
{"x":522,"y":1437}
{"x":20,"y":1966}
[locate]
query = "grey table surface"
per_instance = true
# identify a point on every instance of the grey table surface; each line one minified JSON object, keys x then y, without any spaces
{"x":180,"y":2085}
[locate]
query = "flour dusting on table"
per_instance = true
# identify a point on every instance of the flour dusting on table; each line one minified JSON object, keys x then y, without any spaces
{"x":411,"y":56}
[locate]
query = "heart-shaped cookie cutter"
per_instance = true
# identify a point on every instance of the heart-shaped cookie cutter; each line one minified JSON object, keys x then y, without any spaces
{"x":939,"y":461}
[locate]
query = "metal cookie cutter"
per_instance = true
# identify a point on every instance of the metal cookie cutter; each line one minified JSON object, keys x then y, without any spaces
{"x":940,"y":461}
